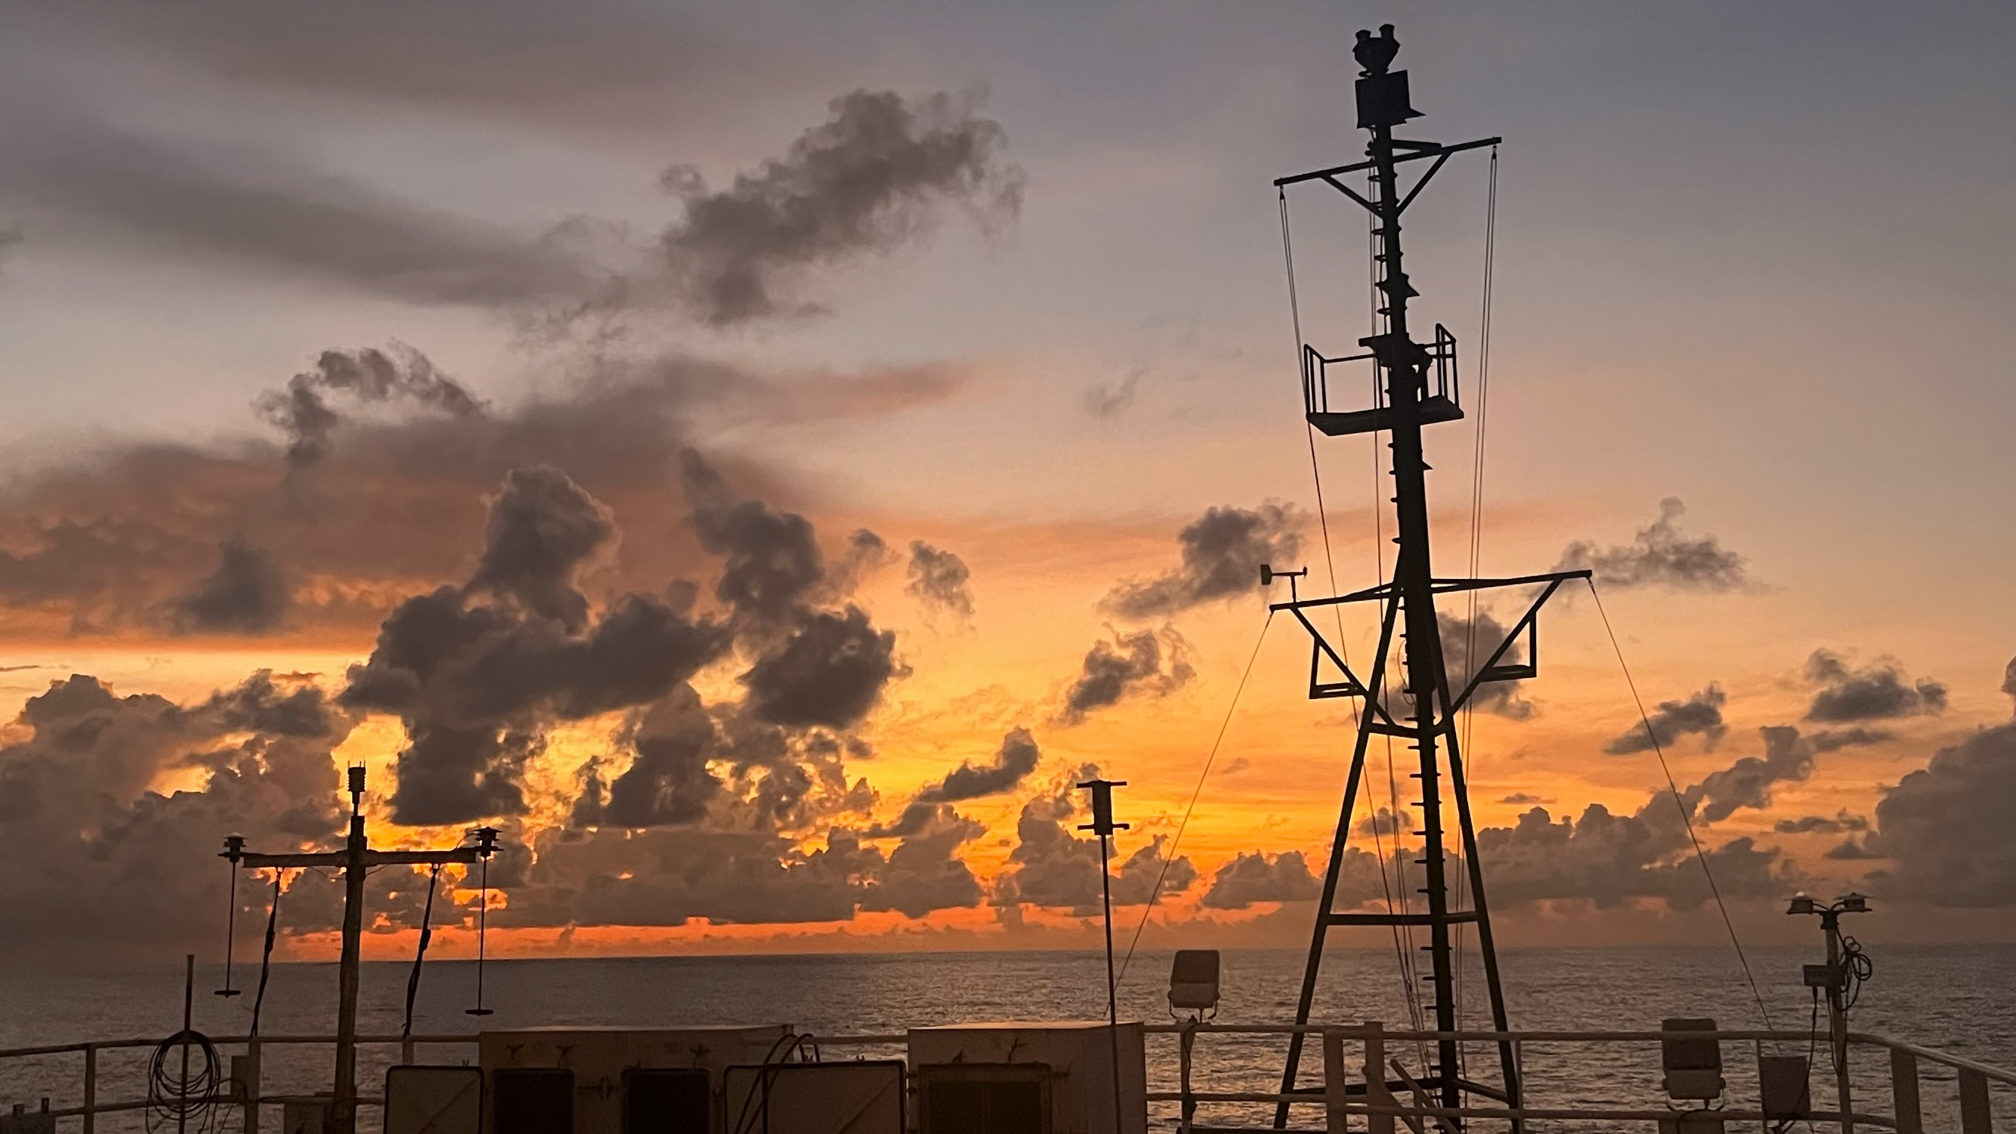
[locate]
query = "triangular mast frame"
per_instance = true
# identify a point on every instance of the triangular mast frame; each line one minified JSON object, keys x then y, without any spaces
{"x":1407,"y":606}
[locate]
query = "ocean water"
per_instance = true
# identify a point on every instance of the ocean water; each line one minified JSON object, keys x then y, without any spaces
{"x":1958,"y":999}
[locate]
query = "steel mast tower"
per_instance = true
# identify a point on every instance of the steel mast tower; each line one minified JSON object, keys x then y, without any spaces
{"x":1419,"y":389}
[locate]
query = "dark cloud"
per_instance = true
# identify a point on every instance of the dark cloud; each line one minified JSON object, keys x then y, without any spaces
{"x":1145,"y":663}
{"x":1134,"y":881}
{"x":1014,"y":761}
{"x":11,"y":238}
{"x":1788,"y":758}
{"x":2009,"y":678}
{"x":774,"y":568}
{"x":626,"y":67}
{"x":240,"y":204}
{"x":830,"y":672}
{"x":1700,"y":713}
{"x":1877,"y":691}
{"x":476,"y":685}
{"x":871,"y":178}
{"x":1849,"y":850}
{"x":1945,"y":828}
{"x":368,"y":376}
{"x":1822,"y":824}
{"x":543,"y":528}
{"x":1252,"y":878}
{"x":1222,"y":553}
{"x":669,"y":780}
{"x":104,"y":860}
{"x":1384,"y":823}
{"x":247,"y":594}
{"x":939,"y":580}
{"x":1499,"y":698}
{"x":1107,"y":401}
{"x":1660,"y":556}
{"x":1522,"y":798}
{"x":111,"y":536}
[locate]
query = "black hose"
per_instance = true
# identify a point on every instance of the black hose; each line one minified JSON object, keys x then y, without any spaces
{"x":186,"y":1098}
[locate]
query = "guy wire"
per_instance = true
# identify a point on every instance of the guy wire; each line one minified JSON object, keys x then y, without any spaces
{"x":1686,"y":816}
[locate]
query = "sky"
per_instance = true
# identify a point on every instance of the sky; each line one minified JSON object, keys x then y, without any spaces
{"x":761,"y":457}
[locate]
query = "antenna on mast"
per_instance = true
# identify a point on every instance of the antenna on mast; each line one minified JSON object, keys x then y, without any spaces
{"x":1420,"y":389}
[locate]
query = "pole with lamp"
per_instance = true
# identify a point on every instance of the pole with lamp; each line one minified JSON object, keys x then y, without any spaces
{"x":1103,"y":825}
{"x":1840,"y":978}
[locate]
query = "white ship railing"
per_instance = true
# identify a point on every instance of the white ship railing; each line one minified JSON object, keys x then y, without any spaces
{"x":1346,"y":1099}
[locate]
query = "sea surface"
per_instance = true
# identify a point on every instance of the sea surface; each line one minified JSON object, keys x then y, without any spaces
{"x":1958,"y":999}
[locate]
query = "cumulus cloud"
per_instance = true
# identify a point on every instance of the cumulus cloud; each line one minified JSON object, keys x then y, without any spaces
{"x":110,"y":805}
{"x":1251,"y":878}
{"x":1661,"y":556}
{"x":871,"y":178}
{"x":1499,"y":698}
{"x":1822,"y":824}
{"x":1944,"y":828}
{"x":940,"y":580}
{"x":367,"y":376}
{"x":1700,"y":714}
{"x":1146,"y":663}
{"x":1877,"y":691}
{"x":476,"y":684}
{"x":1054,"y":868}
{"x":1222,"y":553}
{"x":113,"y":536}
{"x":247,"y":594}
{"x":543,"y":528}
{"x":1788,"y":758}
{"x":1107,"y":401}
{"x":1014,"y":761}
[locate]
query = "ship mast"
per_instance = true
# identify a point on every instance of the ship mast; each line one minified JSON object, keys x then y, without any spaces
{"x":1420,"y":389}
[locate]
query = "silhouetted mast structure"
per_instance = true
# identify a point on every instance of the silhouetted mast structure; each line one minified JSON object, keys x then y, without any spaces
{"x":1419,"y":389}
{"x":356,"y":860}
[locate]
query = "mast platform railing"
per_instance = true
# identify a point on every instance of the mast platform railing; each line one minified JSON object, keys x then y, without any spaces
{"x":1440,"y":393}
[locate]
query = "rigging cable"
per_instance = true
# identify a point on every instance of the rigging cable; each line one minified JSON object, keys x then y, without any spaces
{"x":420,"y":954}
{"x":1177,"y":841}
{"x":1477,"y":509}
{"x":1686,"y":812}
{"x":266,"y":955}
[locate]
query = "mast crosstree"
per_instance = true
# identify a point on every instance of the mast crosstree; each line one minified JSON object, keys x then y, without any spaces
{"x":1420,"y":388}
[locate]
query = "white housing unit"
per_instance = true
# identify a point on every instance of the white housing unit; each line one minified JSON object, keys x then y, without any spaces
{"x":1080,"y":1058}
{"x":598,"y":1058}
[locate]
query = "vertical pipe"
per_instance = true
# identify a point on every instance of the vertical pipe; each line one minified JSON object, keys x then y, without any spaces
{"x":343,"y":1109}
{"x":1904,"y":1092}
{"x":1112,"y":983}
{"x":188,"y":1012}
{"x":90,"y":1088}
{"x":252,"y":1086}
{"x":1375,"y":1078}
{"x":1837,"y":1020}
{"x":1336,"y":1119}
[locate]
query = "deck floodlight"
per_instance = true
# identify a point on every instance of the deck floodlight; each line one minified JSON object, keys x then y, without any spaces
{"x":1193,"y":981}
{"x":1803,"y":904}
{"x":1854,"y":903}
